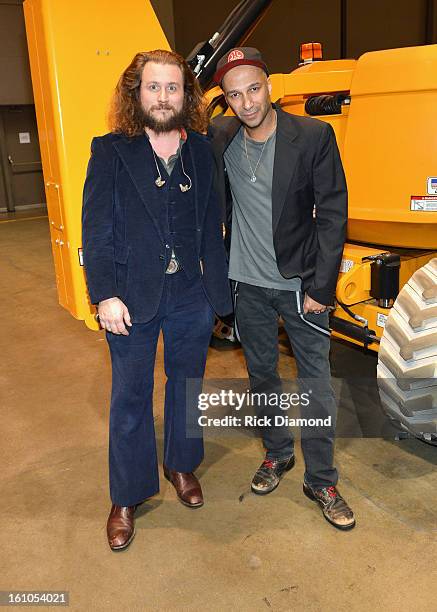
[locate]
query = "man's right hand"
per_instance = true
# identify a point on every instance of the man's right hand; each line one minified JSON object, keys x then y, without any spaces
{"x":113,"y":315}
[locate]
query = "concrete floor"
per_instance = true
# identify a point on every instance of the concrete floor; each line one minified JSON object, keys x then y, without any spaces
{"x":238,"y":552}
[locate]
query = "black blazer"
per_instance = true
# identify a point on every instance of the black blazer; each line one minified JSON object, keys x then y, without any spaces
{"x":123,"y":246}
{"x":307,"y":173}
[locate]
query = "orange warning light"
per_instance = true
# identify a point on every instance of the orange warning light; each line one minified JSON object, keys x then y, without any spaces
{"x":310,"y":52}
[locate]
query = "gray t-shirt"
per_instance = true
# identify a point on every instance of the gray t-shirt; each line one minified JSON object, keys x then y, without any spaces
{"x":252,"y":258}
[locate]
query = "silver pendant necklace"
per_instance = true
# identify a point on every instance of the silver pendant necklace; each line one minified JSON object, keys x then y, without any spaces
{"x":159,"y":181}
{"x":253,"y":170}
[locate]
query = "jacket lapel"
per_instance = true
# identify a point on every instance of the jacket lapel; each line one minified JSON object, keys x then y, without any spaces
{"x":223,"y":131}
{"x":286,"y":157}
{"x":202,"y":169}
{"x":137,"y":157}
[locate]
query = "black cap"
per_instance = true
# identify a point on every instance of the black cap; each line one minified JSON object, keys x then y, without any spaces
{"x":239,"y":56}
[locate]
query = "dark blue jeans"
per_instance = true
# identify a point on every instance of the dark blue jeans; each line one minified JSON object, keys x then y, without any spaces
{"x":186,"y":319}
{"x":257,"y":313}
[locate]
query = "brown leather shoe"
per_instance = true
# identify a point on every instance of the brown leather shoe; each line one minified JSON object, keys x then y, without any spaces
{"x":187,"y":487}
{"x":120,"y":526}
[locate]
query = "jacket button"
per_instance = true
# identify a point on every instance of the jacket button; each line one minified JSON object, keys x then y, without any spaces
{"x":167,"y":246}
{"x":161,"y":257}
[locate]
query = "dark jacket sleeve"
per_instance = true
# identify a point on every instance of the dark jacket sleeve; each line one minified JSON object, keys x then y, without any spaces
{"x":212,"y":239}
{"x":213,"y":256}
{"x":330,"y":195}
{"x":97,"y":225}
{"x":221,"y":179}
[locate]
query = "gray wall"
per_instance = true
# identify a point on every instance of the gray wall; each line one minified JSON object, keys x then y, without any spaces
{"x":165,"y":13}
{"x":385,"y":24}
{"x":15,"y":83}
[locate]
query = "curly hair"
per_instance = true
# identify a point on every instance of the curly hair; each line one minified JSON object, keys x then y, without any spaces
{"x":126,"y":114}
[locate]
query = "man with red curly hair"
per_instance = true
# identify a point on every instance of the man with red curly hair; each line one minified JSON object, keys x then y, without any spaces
{"x":154,"y":260}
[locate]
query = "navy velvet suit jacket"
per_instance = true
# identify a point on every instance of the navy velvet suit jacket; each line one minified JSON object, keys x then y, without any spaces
{"x":123,"y":245}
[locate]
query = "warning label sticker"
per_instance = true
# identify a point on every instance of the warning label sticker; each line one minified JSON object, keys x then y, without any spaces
{"x":425,"y":203}
{"x":431,"y":185}
{"x":346,"y":265}
{"x":381,"y":319}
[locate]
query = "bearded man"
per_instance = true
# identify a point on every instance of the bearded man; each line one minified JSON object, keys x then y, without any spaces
{"x":154,"y":260}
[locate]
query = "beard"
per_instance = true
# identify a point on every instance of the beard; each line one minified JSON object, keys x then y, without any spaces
{"x":176,"y":121}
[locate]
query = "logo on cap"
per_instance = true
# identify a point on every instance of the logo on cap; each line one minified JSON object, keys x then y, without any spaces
{"x":234,"y":55}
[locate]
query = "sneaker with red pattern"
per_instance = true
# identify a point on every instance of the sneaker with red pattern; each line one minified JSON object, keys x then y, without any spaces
{"x":269,"y":474}
{"x":334,"y":508}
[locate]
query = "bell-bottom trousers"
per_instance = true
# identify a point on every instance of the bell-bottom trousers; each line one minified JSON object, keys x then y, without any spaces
{"x":186,"y":320}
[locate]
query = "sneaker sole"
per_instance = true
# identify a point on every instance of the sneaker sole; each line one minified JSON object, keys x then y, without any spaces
{"x":260,"y":492}
{"x":310,"y":496}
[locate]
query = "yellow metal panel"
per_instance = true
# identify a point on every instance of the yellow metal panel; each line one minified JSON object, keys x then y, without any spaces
{"x":391,"y":234}
{"x":320,"y":77}
{"x":396,"y":70}
{"x":77,"y":53}
{"x":386,"y":137}
{"x":391,"y":146}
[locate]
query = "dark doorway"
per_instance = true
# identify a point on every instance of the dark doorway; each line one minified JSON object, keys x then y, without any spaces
{"x":23,"y":184}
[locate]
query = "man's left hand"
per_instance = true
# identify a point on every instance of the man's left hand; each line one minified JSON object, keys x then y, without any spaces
{"x":310,"y":305}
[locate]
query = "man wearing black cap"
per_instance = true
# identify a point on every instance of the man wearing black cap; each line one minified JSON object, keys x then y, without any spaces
{"x":288,"y":201}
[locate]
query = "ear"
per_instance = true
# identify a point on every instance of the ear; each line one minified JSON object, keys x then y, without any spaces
{"x":269,"y":85}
